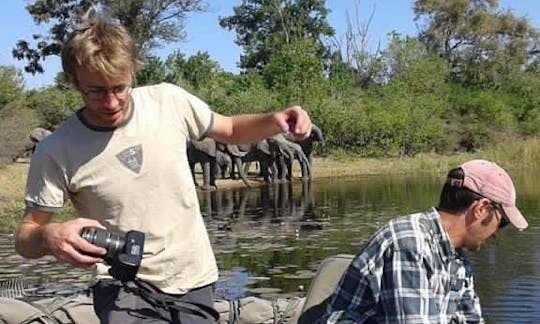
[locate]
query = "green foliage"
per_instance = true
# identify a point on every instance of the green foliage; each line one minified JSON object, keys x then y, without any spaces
{"x":197,"y":70}
{"x":295,"y":71}
{"x":152,"y":71}
{"x":16,"y":121}
{"x":477,"y":40}
{"x":408,"y":61}
{"x":229,"y":94}
{"x":475,"y":117}
{"x":192,"y":72}
{"x":261,"y":25}
{"x":53,"y":105}
{"x":149,"y":22}
{"x":469,"y":80}
{"x":11,"y":85}
{"x":522,"y":88}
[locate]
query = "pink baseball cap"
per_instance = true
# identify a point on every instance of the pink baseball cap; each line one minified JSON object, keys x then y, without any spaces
{"x":491,"y":181}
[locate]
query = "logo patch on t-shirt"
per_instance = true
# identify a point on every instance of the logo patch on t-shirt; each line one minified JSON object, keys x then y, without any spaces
{"x":132,"y":158}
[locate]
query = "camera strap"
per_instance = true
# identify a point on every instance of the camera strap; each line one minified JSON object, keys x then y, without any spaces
{"x":159,"y":299}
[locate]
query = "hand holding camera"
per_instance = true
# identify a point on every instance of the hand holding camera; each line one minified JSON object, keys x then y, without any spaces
{"x":124,"y":254}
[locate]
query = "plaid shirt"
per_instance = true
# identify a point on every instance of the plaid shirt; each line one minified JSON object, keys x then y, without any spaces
{"x":408,"y":272}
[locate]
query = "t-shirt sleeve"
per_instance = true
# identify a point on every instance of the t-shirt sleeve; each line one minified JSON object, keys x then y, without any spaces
{"x":195,"y":113}
{"x":45,"y":184}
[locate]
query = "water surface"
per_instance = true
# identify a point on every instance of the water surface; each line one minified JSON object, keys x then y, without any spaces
{"x":270,"y":240}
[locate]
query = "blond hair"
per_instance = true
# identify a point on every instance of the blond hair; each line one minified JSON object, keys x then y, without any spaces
{"x":100,"y":46}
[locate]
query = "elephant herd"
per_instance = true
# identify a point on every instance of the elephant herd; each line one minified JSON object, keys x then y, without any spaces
{"x":274,"y":155}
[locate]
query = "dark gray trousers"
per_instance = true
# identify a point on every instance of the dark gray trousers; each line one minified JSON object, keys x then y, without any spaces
{"x":113,"y":304}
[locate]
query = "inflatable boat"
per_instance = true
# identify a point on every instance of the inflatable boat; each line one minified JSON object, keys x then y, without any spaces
{"x":247,"y":310}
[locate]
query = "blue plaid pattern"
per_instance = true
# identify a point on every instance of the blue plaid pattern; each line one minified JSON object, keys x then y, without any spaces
{"x":408,"y":272}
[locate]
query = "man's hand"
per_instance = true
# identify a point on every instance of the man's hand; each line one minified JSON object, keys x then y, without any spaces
{"x":63,"y":240}
{"x":294,"y":120}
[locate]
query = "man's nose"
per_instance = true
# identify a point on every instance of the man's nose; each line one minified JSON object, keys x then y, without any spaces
{"x":110,"y":100}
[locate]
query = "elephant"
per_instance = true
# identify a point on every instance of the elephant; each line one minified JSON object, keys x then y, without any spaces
{"x":235,"y":155}
{"x":38,"y":134}
{"x":223,"y":163}
{"x":275,"y":156}
{"x":285,"y":153}
{"x":257,"y":152}
{"x":307,"y":144}
{"x":212,"y":159}
{"x":203,"y":152}
{"x":35,"y":136}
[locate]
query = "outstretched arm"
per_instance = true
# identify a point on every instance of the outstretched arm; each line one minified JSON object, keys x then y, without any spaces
{"x":250,"y":128}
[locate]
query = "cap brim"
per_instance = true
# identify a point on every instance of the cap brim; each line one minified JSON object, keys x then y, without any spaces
{"x":515,"y":217}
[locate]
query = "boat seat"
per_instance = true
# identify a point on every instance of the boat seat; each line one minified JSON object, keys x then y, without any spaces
{"x":323,"y":285}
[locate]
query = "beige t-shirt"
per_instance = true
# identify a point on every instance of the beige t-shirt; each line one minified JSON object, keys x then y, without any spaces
{"x":135,"y":177}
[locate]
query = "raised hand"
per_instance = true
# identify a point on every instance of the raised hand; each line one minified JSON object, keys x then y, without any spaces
{"x":294,"y":120}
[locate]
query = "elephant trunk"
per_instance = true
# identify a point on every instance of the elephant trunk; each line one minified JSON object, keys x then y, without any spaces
{"x":241,"y":173}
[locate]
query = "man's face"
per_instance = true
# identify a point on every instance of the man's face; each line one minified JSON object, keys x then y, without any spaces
{"x":484,"y":226}
{"x":106,"y":101}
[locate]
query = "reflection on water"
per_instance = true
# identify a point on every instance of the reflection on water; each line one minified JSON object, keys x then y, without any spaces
{"x":269,"y":240}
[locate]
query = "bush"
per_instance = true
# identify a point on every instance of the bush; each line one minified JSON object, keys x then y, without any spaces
{"x":16,"y":121}
{"x":11,"y":85}
{"x":54,"y":105}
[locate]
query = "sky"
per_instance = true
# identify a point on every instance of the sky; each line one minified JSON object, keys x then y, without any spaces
{"x":205,"y":34}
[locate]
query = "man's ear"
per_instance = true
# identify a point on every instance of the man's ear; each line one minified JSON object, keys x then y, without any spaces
{"x":481,"y":208}
{"x":477,"y":210}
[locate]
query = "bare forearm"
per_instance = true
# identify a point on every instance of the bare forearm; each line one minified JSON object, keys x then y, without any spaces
{"x":30,"y":242}
{"x":38,"y":236}
{"x":246,"y":128}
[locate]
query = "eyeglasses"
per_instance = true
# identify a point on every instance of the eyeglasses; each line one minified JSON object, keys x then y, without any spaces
{"x":120,"y":92}
{"x":504,"y":219}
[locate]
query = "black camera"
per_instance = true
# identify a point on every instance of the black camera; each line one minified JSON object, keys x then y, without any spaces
{"x":124,"y":254}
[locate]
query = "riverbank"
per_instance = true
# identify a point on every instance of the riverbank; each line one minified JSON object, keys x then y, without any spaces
{"x":13,"y":176}
{"x":512,"y":156}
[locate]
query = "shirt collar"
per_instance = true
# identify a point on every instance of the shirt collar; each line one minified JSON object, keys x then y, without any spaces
{"x":440,"y":235}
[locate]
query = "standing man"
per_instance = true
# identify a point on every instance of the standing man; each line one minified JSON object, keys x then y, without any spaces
{"x":415,"y":268}
{"x":121,"y":160}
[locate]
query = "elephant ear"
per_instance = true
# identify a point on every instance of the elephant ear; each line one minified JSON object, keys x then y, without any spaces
{"x":264,"y":147}
{"x":38,"y":134}
{"x":207,"y":145}
{"x":316,"y":133}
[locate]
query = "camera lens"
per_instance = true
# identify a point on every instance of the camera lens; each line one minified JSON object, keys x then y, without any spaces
{"x":113,"y":243}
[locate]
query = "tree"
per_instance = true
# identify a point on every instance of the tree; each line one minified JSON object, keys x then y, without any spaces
{"x":11,"y":85}
{"x":478,"y":41}
{"x":53,"y":105}
{"x":260,"y":24}
{"x":363,"y":64}
{"x":295,"y":72}
{"x":151,"y":72}
{"x":150,"y":22}
{"x":408,"y":61}
{"x":197,"y":70}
